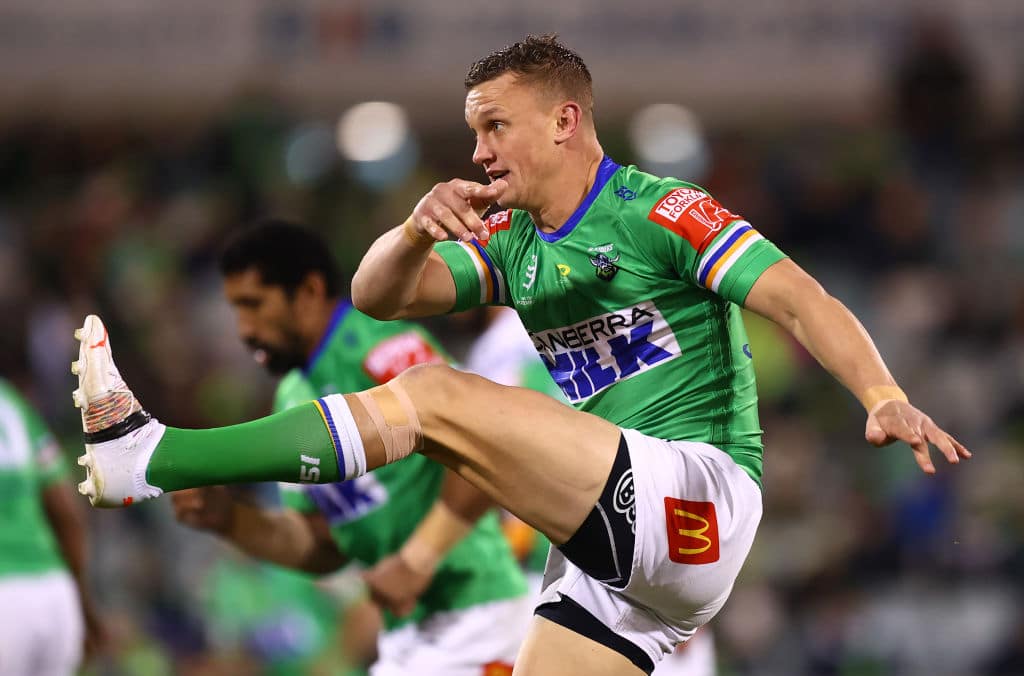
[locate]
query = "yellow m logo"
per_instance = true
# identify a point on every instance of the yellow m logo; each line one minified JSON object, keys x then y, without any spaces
{"x":695,"y":533}
{"x":687,"y":544}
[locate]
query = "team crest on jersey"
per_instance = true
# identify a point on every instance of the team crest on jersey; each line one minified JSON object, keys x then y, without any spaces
{"x":604,"y":258}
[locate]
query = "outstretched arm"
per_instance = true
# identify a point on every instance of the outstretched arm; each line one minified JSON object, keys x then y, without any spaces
{"x":400,"y":275}
{"x":282,"y":536}
{"x":792,"y":298}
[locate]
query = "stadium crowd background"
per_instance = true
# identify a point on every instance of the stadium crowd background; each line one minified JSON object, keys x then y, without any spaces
{"x":911,"y":211}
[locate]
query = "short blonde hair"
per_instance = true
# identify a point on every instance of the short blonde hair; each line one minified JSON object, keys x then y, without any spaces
{"x":542,"y":61}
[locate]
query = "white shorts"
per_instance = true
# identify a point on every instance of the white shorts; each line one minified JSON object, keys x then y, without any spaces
{"x":696,"y":657}
{"x":41,"y":629}
{"x":477,"y":641}
{"x":696,"y":515}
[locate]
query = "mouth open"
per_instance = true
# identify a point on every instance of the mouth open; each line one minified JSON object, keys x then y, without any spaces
{"x":496,"y":175}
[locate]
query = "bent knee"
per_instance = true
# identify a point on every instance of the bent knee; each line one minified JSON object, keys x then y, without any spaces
{"x":429,"y":384}
{"x":441,"y":389}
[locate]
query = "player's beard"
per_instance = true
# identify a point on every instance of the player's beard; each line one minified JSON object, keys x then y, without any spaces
{"x":278,"y":359}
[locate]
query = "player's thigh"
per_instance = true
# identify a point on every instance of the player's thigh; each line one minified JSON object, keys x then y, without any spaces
{"x":543,"y":460}
{"x":552,"y":650}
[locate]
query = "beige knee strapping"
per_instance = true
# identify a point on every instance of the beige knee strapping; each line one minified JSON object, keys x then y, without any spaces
{"x":394,"y":416}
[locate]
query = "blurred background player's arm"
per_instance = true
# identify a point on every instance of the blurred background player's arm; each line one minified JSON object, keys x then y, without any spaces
{"x":397,"y":581}
{"x":61,"y":506}
{"x":286,"y":537}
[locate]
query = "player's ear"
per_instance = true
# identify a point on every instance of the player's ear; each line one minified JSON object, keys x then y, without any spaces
{"x":568,"y":118}
{"x":312,"y":288}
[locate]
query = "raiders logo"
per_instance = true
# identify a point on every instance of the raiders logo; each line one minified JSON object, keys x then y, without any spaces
{"x":606,"y":267}
{"x":625,"y":498}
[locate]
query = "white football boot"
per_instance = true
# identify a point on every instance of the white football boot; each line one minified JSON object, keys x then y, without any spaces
{"x":120,"y":437}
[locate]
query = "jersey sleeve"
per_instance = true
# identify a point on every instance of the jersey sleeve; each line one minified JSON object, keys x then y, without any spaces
{"x":294,"y":496}
{"x":50,"y":464}
{"x":477,"y":267}
{"x":711,"y":246}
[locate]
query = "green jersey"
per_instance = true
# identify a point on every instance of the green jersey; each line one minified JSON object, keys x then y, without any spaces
{"x":371,"y":516}
{"x":30,"y":460}
{"x":634,"y":305}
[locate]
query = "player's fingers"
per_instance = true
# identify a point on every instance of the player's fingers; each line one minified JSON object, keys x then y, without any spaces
{"x":488,"y":194}
{"x":960,"y":448}
{"x":874,"y":433}
{"x":470,"y":217}
{"x":430,"y":226}
{"x":483,"y":197}
{"x":897,"y":427}
{"x":468,"y":208}
{"x":942,"y":441}
{"x":453,"y":224}
{"x":923,"y":457}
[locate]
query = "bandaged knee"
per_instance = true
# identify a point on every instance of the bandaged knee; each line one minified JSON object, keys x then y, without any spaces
{"x":394,"y":416}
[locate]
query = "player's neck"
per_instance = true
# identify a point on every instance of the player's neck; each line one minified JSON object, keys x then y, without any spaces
{"x":320,"y":323}
{"x":568,"y":191}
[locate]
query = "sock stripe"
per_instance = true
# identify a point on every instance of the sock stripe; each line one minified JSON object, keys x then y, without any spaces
{"x":325,"y":413}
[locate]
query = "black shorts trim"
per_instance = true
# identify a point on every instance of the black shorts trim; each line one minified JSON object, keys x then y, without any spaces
{"x":603,"y":545}
{"x":575,"y":617}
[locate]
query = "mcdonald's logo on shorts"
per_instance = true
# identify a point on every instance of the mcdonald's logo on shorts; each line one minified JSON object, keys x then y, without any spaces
{"x":692,"y":531}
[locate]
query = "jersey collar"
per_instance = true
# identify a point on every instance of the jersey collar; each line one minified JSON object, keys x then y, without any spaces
{"x":340,"y":310}
{"x":607,"y":167}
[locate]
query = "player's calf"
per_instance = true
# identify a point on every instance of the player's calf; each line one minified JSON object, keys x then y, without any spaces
{"x":129,"y":456}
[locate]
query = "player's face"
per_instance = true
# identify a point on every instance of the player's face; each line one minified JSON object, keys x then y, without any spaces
{"x":514,"y":126}
{"x":266,"y":320}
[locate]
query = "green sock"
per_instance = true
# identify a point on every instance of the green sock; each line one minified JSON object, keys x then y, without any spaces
{"x":294,"y":446}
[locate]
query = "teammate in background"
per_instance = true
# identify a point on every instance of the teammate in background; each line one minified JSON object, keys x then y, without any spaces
{"x":505,"y":354}
{"x":441,"y":579}
{"x":46,"y":612}
{"x":631,"y":287}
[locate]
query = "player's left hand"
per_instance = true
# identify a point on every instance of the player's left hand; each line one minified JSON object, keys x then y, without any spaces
{"x":894,"y":420}
{"x":396,"y":586}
